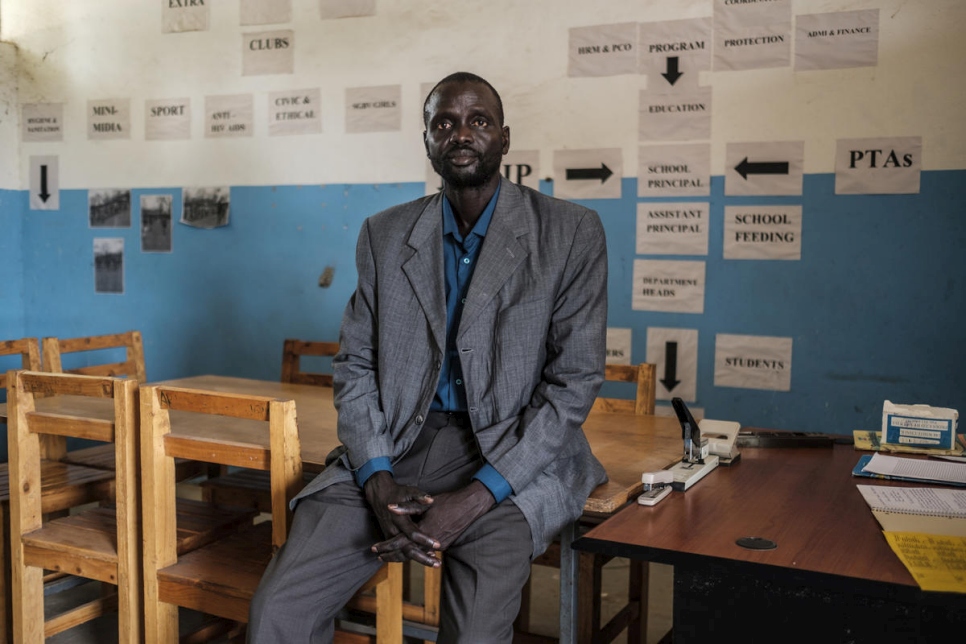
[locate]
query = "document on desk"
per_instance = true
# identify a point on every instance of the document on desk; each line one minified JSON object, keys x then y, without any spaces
{"x":934,"y":561}
{"x":916,"y":468}
{"x":917,"y":509}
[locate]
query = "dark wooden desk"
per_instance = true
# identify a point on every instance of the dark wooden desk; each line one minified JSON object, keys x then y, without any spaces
{"x":832,"y":577}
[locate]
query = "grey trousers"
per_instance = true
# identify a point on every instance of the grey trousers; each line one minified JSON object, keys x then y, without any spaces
{"x":327,"y":558}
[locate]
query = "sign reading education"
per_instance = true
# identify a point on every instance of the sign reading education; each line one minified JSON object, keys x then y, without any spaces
{"x":672,"y":228}
{"x":886,"y":166}
{"x":268,"y":52}
{"x":42,"y":122}
{"x":44,"y":183}
{"x":675,"y":114}
{"x":763,"y":232}
{"x":167,"y":119}
{"x":294,"y":112}
{"x":184,"y":15}
{"x":618,"y":346}
{"x":587,"y":174}
{"x":682,"y":170}
{"x":109,"y":119}
{"x":373,"y":109}
{"x":675,"y":353}
{"x":753,"y":362}
{"x":666,"y":285}
{"x":837,"y":40}
{"x":228,"y":116}
{"x":773,"y":168}
{"x":672,"y":52}
{"x":752,"y":34}
{"x":604,"y":50}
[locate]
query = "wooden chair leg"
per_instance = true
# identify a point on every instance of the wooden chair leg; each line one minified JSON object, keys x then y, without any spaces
{"x":6,"y":632}
{"x":389,"y":601}
{"x":432,"y":587}
{"x":28,"y":602}
{"x":588,"y":596}
{"x":637,"y":593}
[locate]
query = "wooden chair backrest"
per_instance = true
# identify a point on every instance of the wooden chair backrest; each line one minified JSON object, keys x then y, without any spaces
{"x":27,"y":429}
{"x":29,"y":355}
{"x":644,"y":375}
{"x":132,"y":367}
{"x":293,"y":349}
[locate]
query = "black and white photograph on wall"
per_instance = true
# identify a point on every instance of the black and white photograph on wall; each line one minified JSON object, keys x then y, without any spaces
{"x":156,"y":223}
{"x":205,"y":207}
{"x":108,"y":265}
{"x":109,"y":208}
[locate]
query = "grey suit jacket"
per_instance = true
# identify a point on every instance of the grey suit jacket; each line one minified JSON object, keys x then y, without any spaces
{"x":531,"y":344}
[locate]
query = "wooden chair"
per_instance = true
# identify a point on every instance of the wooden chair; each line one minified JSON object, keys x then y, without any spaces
{"x":633,"y":615}
{"x":99,"y":543}
{"x":220,"y":578}
{"x":293,"y":350}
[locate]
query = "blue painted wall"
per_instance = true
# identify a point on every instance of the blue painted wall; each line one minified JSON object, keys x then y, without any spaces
{"x":12,"y":205}
{"x":875,"y":306}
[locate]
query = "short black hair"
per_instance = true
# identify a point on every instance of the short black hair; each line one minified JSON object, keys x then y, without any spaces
{"x":461,"y":77}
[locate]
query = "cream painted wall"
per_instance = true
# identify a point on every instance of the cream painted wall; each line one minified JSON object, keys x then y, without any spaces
{"x":9,"y":118}
{"x":95,"y":49}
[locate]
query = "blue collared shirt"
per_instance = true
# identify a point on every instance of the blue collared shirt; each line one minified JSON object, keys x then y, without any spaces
{"x":460,"y":255}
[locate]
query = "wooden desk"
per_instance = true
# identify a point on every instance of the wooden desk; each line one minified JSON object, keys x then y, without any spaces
{"x":832,"y":577}
{"x":627,"y":445}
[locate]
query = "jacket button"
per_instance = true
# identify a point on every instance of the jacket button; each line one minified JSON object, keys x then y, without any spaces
{"x":419,"y":419}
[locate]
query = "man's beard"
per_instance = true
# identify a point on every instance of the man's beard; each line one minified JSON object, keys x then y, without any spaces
{"x":487,"y":165}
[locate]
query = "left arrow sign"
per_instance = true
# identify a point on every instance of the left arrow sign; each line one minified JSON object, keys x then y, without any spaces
{"x":603,"y":173}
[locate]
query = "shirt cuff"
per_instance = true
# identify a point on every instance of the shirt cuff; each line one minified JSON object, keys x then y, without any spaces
{"x":494,"y":482}
{"x":378,"y":464}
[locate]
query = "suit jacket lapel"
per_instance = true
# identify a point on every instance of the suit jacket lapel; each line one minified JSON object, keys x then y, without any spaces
{"x":501,"y":255}
{"x":424,"y":268}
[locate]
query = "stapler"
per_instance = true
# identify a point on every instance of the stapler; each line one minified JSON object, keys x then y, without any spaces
{"x":697,"y":460}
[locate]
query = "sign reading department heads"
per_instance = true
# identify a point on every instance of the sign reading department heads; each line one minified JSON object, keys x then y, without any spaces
{"x":675,"y":354}
{"x":618,"y":346}
{"x":373,"y":109}
{"x":167,"y":119}
{"x":752,"y":34}
{"x":268,"y":52}
{"x":675,"y":114}
{"x":679,"y":170}
{"x":763,"y":232}
{"x":672,"y":228}
{"x":672,"y":52}
{"x":519,"y":166}
{"x":330,"y":9}
{"x":42,"y":122}
{"x":587,"y":174}
{"x":44,"y":183}
{"x":886,"y":166}
{"x":773,"y":168}
{"x":109,"y":119}
{"x":837,"y":40}
{"x":294,"y":112}
{"x":666,"y":285}
{"x":228,"y":116}
{"x":753,"y":362}
{"x":184,"y":15}
{"x":603,"y":50}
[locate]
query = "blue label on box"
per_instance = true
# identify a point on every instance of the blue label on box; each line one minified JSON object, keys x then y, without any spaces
{"x":916,"y":431}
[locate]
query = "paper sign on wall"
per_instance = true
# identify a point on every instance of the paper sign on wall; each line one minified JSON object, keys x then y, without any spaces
{"x":268,"y":52}
{"x":753,"y":362}
{"x":44,"y":183}
{"x":763,"y":232}
{"x":752,"y":35}
{"x":666,"y":285}
{"x":373,"y":109}
{"x":109,"y":119}
{"x":42,"y":122}
{"x":887,"y":166}
{"x":228,"y":116}
{"x":672,"y":228}
{"x":681,"y":170}
{"x":265,"y":12}
{"x":675,"y":114}
{"x":587,"y":174}
{"x":330,"y":9}
{"x":771,"y":168}
{"x":184,"y":15}
{"x":167,"y":119}
{"x":675,"y":353}
{"x":295,"y":112}
{"x":519,"y":166}
{"x":837,"y":40}
{"x":604,"y":50}
{"x":618,"y":346}
{"x":672,"y":52}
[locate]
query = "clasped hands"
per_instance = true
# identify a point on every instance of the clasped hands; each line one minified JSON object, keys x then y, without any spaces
{"x":441,"y":518}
